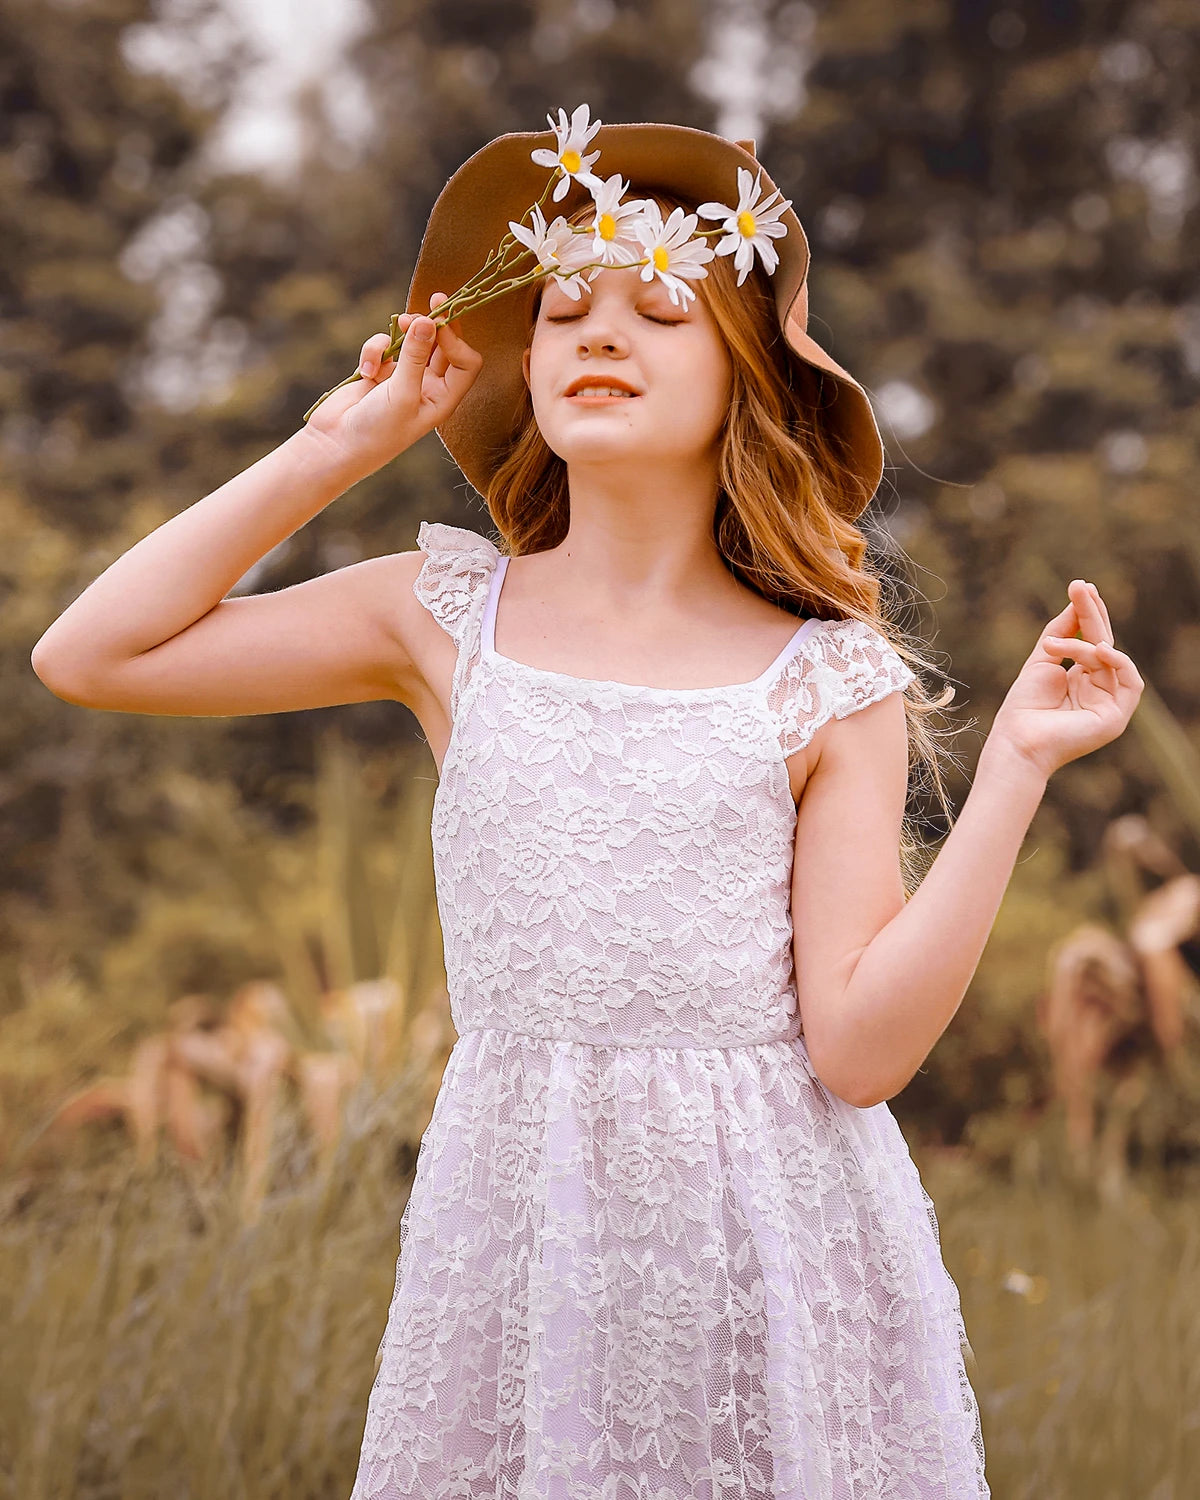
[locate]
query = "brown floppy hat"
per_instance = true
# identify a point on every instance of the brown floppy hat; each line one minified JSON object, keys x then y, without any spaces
{"x":500,"y":182}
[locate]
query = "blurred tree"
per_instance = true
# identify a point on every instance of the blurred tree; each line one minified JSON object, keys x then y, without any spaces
{"x":89,"y":151}
{"x":1001,"y":202}
{"x":999,"y":199}
{"x":168,"y":324}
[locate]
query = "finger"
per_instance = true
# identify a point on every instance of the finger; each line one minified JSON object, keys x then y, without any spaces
{"x":456,"y":347}
{"x":1092,"y":624}
{"x":1094,"y":655}
{"x":1104,"y":615}
{"x":1129,"y":683}
{"x":1062,"y":624}
{"x":458,"y":352}
{"x":439,"y":360}
{"x":371,"y":355}
{"x":1122,"y":665}
{"x":418,"y":342}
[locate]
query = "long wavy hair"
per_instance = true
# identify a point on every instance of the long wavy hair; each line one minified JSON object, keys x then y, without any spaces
{"x":780,"y":510}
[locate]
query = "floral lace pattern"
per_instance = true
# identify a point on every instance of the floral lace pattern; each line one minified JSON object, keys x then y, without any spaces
{"x":648,"y":1254}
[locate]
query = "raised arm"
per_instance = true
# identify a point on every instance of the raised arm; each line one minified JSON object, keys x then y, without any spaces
{"x":154,"y":633}
{"x":880,"y":978}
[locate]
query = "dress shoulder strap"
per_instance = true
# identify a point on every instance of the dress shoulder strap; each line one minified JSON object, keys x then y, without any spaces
{"x":453,"y":584}
{"x":842,"y":666}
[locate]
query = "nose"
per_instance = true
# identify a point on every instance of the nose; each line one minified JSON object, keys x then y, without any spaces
{"x":605,"y":343}
{"x":600,"y":332}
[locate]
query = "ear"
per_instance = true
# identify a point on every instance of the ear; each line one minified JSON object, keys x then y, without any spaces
{"x":525,"y":364}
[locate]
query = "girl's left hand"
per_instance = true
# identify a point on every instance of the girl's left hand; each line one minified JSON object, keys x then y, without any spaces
{"x":1053,"y":714}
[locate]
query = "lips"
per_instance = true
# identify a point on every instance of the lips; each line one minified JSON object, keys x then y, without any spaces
{"x":593,"y":386}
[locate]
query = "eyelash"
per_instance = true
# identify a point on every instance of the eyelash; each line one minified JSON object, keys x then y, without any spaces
{"x":572,"y":317}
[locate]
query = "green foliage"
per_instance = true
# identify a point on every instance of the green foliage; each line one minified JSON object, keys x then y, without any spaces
{"x":981,"y":229}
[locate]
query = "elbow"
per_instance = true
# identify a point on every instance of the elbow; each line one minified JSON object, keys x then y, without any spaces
{"x":862,"y":1098}
{"x":849,"y":1085}
{"x":53,"y":673}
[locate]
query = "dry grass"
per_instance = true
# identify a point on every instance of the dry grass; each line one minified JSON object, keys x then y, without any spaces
{"x":157,"y":1345}
{"x":158,"y":1341}
{"x":1084,"y":1317}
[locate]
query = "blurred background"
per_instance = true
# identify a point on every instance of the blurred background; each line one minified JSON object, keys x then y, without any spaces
{"x":222,"y":1007}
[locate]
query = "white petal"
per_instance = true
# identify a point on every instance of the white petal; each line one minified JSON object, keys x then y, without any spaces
{"x":544,"y":157}
{"x":716,"y":211}
{"x":769,"y":214}
{"x":560,"y":191}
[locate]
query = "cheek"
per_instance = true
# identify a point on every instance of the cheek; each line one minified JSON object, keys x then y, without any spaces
{"x":705,"y":377}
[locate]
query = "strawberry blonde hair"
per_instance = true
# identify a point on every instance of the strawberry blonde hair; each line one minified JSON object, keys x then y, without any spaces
{"x":782,"y":500}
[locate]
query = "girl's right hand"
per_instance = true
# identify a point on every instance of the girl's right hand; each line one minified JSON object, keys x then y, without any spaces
{"x":374,"y":419}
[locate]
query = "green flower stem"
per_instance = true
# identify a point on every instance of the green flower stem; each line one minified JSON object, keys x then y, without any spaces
{"x":496,"y":262}
{"x":482,"y":288}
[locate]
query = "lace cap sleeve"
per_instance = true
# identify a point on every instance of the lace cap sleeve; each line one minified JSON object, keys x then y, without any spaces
{"x":453,"y":579}
{"x":452,"y":584}
{"x":842,"y":666}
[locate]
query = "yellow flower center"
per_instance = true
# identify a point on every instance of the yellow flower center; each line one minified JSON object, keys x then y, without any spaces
{"x":661,"y":259}
{"x":606,"y":227}
{"x":745,"y":222}
{"x":571,"y":160}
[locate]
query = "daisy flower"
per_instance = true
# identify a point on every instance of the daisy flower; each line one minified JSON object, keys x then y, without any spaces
{"x":612,"y":227}
{"x":750,"y":226}
{"x":672,"y":252}
{"x":572,"y":137}
{"x":557,"y":250}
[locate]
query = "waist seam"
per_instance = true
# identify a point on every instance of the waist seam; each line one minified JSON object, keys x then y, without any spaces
{"x":533,"y":1036}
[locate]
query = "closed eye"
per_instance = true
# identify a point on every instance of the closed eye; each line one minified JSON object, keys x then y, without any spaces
{"x":573,"y":317}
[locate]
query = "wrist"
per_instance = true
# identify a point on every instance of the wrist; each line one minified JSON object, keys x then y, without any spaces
{"x":1000,"y":760}
{"x":326,"y":459}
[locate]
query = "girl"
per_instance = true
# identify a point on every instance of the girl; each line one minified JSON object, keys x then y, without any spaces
{"x":665,"y":1239}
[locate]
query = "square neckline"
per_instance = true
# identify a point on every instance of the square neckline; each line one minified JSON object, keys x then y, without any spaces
{"x":487,"y":650}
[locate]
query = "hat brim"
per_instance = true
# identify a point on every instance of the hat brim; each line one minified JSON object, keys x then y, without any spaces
{"x":500,"y":182}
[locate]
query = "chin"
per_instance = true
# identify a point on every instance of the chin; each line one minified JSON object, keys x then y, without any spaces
{"x":585,"y":448}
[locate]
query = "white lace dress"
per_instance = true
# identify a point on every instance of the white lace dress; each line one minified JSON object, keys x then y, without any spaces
{"x":647,"y":1254}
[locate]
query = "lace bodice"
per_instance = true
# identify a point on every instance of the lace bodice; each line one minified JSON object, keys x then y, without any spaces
{"x":613,"y":861}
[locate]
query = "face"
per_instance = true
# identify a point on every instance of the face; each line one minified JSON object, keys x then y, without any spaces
{"x":628,"y":331}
